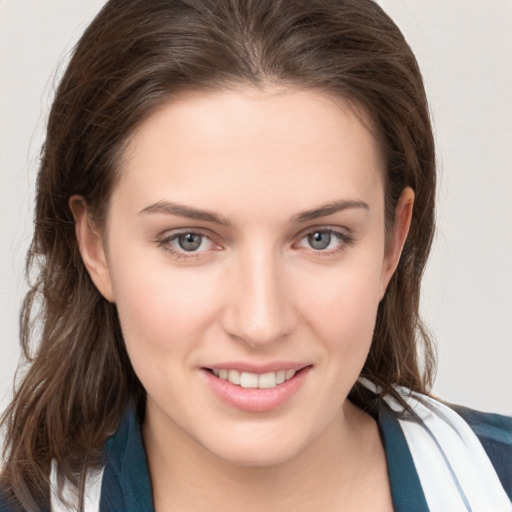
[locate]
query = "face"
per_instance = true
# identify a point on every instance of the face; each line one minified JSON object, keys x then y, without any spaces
{"x":244,"y":247}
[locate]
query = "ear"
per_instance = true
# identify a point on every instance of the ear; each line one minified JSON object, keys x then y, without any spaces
{"x":91,"y":245}
{"x":403,"y":215}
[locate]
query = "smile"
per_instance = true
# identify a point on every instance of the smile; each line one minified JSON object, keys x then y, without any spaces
{"x":254,"y":380}
{"x":258,"y":390}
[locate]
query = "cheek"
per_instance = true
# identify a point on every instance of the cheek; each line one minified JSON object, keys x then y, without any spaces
{"x":341,"y":311}
{"x":345,"y":303}
{"x":161,"y":310}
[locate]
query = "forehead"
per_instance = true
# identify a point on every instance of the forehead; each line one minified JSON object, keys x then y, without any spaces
{"x":277,"y":142}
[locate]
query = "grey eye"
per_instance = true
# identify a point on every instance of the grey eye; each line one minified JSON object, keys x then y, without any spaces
{"x":319,"y":240}
{"x":190,"y":241}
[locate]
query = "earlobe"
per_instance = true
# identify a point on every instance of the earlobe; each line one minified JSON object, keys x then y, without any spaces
{"x":403,"y":216}
{"x":91,"y":245}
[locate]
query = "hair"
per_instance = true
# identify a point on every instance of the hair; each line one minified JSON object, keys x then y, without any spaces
{"x":134,"y":57}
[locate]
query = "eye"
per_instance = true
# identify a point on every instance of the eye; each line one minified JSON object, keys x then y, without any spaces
{"x":186,"y":244}
{"x":326,"y":240}
{"x":189,"y":241}
{"x":319,"y":240}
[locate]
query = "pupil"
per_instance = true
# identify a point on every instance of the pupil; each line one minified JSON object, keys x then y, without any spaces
{"x":319,"y":240}
{"x":190,"y":241}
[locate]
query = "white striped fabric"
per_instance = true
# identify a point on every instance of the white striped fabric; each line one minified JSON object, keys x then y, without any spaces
{"x":455,"y":472}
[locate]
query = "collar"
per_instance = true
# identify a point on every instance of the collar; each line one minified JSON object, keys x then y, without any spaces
{"x":126,"y":484}
{"x":435,"y":462}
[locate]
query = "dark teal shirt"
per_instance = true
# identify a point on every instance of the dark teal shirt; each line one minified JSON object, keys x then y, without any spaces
{"x":126,"y":486}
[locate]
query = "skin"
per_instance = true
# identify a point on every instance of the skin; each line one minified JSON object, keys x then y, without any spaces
{"x":254,"y":291}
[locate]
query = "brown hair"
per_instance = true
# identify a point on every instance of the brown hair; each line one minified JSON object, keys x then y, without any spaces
{"x":134,"y":57}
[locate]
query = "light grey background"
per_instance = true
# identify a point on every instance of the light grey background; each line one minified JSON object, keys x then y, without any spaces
{"x":465,"y":50}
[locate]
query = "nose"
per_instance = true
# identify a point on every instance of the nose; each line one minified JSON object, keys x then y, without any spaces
{"x":259,"y":307}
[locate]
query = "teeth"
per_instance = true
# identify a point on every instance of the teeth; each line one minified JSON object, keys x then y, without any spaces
{"x":267,"y":380}
{"x":254,"y":380}
{"x":234,"y":376}
{"x":289,"y":374}
{"x":248,"y":380}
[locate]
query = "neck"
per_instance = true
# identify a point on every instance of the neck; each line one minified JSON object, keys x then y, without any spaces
{"x":328,"y":471}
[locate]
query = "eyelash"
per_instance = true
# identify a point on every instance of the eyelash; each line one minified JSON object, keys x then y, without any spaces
{"x":165,"y":244}
{"x":344,"y":239}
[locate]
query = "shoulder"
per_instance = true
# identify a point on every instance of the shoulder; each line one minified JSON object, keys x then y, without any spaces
{"x":126,"y":483}
{"x":4,"y":504}
{"x":9,"y":503}
{"x":462,"y":457}
{"x":494,"y":432}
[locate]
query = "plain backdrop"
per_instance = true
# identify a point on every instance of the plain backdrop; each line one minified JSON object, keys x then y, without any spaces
{"x":464,"y":48}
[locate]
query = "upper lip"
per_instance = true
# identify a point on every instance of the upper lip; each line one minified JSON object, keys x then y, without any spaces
{"x":258,"y":368}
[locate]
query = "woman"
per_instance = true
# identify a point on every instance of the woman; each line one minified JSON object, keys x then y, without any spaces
{"x":234,"y":209}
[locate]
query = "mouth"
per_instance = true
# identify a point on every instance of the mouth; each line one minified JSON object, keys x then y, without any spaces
{"x":259,"y":391}
{"x":250,"y":380}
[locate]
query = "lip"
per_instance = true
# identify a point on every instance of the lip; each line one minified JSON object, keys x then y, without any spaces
{"x":256,"y":399}
{"x":259,"y":368}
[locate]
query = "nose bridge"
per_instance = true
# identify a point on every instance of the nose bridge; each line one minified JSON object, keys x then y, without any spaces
{"x":259,"y":309}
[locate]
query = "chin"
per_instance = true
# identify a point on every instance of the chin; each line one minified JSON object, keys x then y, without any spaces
{"x":257,"y":450}
{"x":257,"y":459}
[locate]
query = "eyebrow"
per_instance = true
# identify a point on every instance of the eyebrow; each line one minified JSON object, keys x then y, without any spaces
{"x":329,"y":209}
{"x":181,"y":210}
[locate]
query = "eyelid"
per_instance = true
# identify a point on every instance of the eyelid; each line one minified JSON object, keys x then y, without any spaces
{"x":343,"y":234}
{"x":174,"y":232}
{"x":337,"y":230}
{"x":165,"y":238}
{"x":325,"y":227}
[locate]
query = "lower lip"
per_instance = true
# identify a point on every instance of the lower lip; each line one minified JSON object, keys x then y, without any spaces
{"x":256,"y":399}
